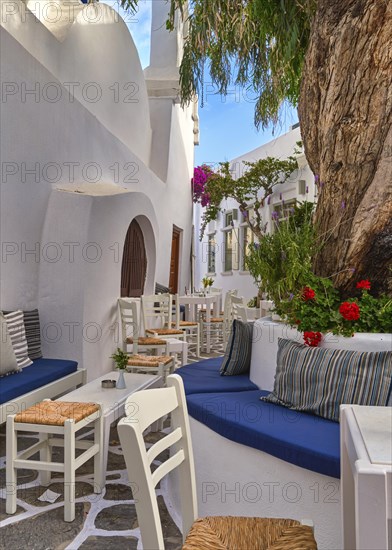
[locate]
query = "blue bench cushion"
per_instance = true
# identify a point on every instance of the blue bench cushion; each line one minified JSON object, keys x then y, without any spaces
{"x":300,"y":438}
{"x":40,"y":373}
{"x":204,"y":377}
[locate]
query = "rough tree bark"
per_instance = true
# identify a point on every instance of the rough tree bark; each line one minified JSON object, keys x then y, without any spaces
{"x":345,"y":116}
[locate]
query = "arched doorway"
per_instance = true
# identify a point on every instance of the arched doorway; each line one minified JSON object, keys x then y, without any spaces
{"x":134,"y":263}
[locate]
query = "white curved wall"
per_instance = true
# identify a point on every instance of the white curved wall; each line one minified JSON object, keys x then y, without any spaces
{"x":72,"y":148}
{"x":97,"y":63}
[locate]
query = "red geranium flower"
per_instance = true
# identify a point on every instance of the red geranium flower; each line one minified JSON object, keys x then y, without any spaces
{"x":312,"y":339}
{"x":308,"y":293}
{"x":365,"y":284}
{"x":349,"y":311}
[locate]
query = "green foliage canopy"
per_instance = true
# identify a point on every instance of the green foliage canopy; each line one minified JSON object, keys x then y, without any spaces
{"x":256,"y":44}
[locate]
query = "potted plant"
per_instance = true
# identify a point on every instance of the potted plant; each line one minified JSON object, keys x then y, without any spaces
{"x":207,"y":282}
{"x":121,"y":361}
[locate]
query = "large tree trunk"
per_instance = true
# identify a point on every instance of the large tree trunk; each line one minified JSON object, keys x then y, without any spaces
{"x":345,"y":115}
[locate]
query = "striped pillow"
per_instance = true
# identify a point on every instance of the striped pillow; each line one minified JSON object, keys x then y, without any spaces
{"x":239,"y":348}
{"x":17,"y":332}
{"x":33,"y":333}
{"x":319,"y":380}
{"x":8,"y":364}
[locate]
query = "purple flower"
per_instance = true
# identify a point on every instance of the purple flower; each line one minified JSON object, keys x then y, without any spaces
{"x":256,"y":245}
{"x":291,"y":296}
{"x":269,"y":199}
{"x":205,"y":199}
{"x":245,"y":214}
{"x":275,"y":216}
{"x":352,"y":269}
{"x":343,"y":205}
{"x":316,"y":179}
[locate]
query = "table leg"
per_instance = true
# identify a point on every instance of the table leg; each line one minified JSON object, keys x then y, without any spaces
{"x":105,"y":450}
{"x":208,"y":327}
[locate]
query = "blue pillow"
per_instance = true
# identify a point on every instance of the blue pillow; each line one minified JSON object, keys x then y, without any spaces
{"x":239,"y":348}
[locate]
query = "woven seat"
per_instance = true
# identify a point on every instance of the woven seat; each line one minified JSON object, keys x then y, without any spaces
{"x":186,"y":324}
{"x":236,"y":533}
{"x":216,"y":320}
{"x":147,"y":341}
{"x":164,"y":331}
{"x":55,"y":413}
{"x":149,"y":360}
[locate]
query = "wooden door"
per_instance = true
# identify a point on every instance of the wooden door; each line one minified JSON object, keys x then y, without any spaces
{"x":174,"y":261}
{"x":134,"y":264}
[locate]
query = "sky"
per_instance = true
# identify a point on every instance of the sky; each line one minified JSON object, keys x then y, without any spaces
{"x":227,"y":127}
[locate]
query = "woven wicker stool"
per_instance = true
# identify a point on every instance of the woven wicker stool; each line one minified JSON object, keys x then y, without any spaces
{"x":55,"y":418}
{"x":236,"y":533}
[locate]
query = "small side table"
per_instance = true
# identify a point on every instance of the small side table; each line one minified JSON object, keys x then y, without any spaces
{"x":366,"y":467}
{"x":56,"y":418}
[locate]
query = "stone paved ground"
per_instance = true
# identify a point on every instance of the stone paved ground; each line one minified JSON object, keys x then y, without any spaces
{"x":103,"y":522}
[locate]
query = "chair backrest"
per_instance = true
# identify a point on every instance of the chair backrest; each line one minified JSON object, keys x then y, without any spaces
{"x":239,"y":311}
{"x":157,"y":310}
{"x":129,"y":323}
{"x":142,"y":409}
{"x":227,"y":309}
{"x":176,"y":313}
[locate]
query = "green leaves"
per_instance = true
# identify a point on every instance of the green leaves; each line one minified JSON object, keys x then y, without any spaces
{"x":257,"y":44}
{"x":253,"y":186}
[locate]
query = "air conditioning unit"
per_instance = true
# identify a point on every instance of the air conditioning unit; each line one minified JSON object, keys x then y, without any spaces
{"x":301,"y":187}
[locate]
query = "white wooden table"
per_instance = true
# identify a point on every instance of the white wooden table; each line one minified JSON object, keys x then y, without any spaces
{"x":210,"y":301}
{"x":366,"y":467}
{"x":112,"y":401}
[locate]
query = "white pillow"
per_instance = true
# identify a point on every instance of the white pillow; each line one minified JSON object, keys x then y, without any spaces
{"x":8,"y":363}
{"x":15,"y":323}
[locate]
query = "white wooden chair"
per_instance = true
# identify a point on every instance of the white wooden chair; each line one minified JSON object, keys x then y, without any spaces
{"x":191,"y":328}
{"x":130,"y":335}
{"x":161,"y":364}
{"x":143,"y":409}
{"x":157,"y":311}
{"x":220,"y":326}
{"x":238,"y":308}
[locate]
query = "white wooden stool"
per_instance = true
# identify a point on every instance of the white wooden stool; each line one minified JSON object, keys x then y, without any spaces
{"x":175,"y":346}
{"x":59,"y":418}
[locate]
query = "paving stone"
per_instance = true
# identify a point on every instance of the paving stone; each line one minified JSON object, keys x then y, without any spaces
{"x":119,"y":517}
{"x":45,"y":531}
{"x":113,"y":476}
{"x":4,"y":516}
{"x":171,"y":533}
{"x":31,"y":494}
{"x":118,"y":491}
{"x":22,"y":476}
{"x":103,"y":543}
{"x":115,"y":462}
